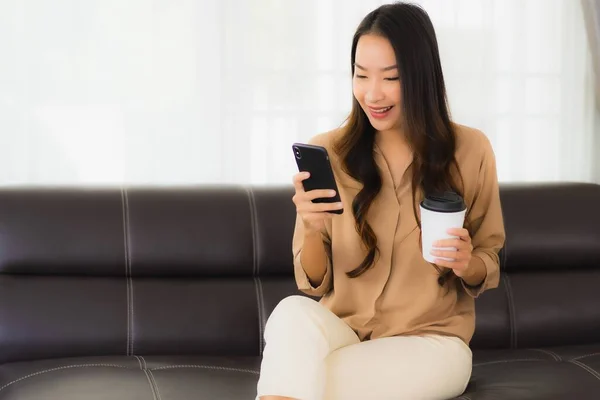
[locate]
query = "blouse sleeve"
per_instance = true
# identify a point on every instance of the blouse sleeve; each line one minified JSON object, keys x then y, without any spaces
{"x":486,"y":221}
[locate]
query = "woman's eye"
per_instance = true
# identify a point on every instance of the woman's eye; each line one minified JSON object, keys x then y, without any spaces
{"x":392,"y":79}
{"x":360,"y":76}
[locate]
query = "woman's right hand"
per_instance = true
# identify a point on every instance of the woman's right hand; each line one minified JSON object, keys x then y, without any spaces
{"x":313,"y":214}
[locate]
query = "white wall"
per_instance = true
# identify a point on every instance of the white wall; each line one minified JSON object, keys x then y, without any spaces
{"x":216,"y":91}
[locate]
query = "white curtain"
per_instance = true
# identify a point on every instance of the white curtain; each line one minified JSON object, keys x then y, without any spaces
{"x":163,"y":92}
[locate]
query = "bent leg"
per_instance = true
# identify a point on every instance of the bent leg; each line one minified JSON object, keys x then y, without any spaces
{"x":299,"y":335}
{"x":427,"y":367}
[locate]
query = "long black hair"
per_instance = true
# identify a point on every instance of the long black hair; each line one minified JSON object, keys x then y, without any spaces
{"x":426,"y":118}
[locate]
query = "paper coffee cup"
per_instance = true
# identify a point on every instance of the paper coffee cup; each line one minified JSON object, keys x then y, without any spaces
{"x":440,"y":212}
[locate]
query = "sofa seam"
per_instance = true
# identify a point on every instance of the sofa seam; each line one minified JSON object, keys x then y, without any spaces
{"x":149,"y":371}
{"x":129,"y":275}
{"x":126,"y":249}
{"x":146,"y":372}
{"x":262,"y":304}
{"x":585,"y":355}
{"x":139,"y":361}
{"x":263,"y":319}
{"x":549,"y":352}
{"x":589,"y":369}
{"x":257,"y":289}
{"x":511,"y":312}
{"x":144,"y":360}
{"x":507,"y":361}
{"x":255,"y":266}
{"x":150,"y":377}
{"x":59,"y":369}
{"x":511,"y":309}
{"x":253,"y":227}
{"x":250,"y":371}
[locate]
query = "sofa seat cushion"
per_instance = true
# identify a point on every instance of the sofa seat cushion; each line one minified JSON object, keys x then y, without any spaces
{"x":550,"y":373}
{"x":555,"y":373}
{"x":131,"y":378}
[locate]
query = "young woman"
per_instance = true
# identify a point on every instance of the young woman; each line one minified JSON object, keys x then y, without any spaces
{"x":389,"y":325}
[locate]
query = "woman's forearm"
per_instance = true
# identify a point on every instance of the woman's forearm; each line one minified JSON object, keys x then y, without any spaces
{"x":314,"y":257}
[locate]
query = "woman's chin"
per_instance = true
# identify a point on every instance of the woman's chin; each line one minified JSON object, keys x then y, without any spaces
{"x":381,"y":125}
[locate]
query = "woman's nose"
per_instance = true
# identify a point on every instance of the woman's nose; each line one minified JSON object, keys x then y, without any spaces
{"x":374,"y":93}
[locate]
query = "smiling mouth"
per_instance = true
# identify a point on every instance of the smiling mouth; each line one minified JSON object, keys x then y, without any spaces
{"x":380,"y":112}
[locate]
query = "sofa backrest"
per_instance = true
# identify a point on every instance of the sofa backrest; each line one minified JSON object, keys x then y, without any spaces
{"x":198,"y":270}
{"x":549,"y":292}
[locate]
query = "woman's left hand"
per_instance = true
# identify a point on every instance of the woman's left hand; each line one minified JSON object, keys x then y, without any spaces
{"x":461,"y":256}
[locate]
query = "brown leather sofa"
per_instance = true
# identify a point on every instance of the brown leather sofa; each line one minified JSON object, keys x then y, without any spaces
{"x":162,"y":294}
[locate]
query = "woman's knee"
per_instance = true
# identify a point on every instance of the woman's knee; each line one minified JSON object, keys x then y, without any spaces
{"x":292,"y":305}
{"x":296,"y":302}
{"x":290,"y":310}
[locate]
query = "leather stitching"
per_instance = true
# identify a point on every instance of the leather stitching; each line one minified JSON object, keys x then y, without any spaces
{"x":262,"y":302}
{"x":258,"y":289}
{"x":154,"y":383}
{"x":503,"y":272}
{"x":584,"y":356}
{"x":511,"y":312}
{"x":507,"y":361}
{"x":150,"y":377}
{"x":130,"y":319}
{"x":144,"y":360}
{"x":551,"y":353}
{"x":59,"y":369}
{"x":263,"y":319}
{"x":146,"y":372}
{"x":253,"y":225}
{"x":255,"y":267}
{"x":250,"y":371}
{"x":587,"y":368}
{"x":126,"y":248}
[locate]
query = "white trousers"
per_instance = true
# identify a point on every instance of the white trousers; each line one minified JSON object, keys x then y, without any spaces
{"x":311,"y":354}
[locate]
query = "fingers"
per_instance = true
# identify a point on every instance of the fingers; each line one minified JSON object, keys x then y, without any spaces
{"x":457,"y":243}
{"x":455,"y":255}
{"x":312,"y":194}
{"x":310,"y":207}
{"x":302,"y":197}
{"x":462,"y":233}
{"x":312,"y":212}
{"x":297,"y":180}
{"x":457,"y":259}
{"x":304,"y":201}
{"x":319,"y":193}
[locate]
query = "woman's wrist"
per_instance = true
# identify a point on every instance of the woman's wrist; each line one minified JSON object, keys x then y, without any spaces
{"x":476,"y":272}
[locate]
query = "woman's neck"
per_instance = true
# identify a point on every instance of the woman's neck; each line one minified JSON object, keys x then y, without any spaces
{"x":391,"y":138}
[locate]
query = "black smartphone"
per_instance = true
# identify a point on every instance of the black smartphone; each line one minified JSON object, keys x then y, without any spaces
{"x":315,"y":160}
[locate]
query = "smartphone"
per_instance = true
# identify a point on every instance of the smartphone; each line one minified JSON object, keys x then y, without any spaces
{"x":315,"y":160}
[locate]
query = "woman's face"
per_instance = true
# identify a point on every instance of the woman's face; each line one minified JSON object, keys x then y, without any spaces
{"x":376,"y":84}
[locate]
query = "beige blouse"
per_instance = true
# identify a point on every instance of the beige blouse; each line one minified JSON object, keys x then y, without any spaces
{"x":400,"y":294}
